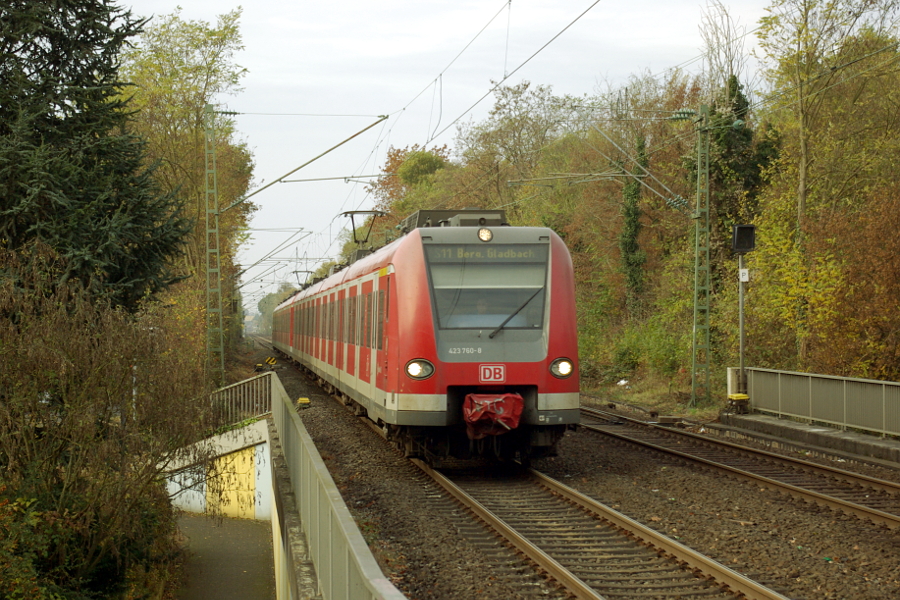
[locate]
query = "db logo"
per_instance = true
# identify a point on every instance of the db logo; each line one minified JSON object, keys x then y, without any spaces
{"x":492,"y":373}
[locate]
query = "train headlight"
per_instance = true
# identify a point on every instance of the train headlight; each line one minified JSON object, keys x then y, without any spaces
{"x":485,"y":234}
{"x":562,"y":368}
{"x":419,"y":369}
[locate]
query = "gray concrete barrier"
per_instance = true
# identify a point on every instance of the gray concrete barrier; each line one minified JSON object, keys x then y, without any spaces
{"x":319,"y":548}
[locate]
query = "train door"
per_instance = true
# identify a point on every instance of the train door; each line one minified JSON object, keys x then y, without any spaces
{"x":353,"y":331}
{"x":329,"y":331}
{"x":320,"y":327}
{"x":291,"y":328}
{"x":308,"y":333}
{"x":304,"y":330}
{"x":365,"y":345}
{"x":382,"y":317}
{"x":340,"y":335}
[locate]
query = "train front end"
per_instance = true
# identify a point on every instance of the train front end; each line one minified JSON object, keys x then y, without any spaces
{"x":505,"y":358}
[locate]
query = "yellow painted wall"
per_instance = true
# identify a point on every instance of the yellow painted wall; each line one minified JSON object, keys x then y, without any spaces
{"x":236,"y":479}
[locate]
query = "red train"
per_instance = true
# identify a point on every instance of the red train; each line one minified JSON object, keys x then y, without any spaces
{"x":459,"y":339}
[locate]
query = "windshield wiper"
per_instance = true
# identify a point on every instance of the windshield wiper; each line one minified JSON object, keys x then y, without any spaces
{"x":524,"y":304}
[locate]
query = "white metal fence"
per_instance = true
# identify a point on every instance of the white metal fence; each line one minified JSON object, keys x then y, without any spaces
{"x":345,"y":567}
{"x":244,"y":400}
{"x":862,"y":404}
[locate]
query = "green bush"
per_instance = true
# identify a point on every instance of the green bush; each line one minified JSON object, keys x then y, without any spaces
{"x":95,"y":403}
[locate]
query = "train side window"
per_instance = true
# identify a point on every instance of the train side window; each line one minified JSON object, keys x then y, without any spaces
{"x":369,"y":320}
{"x":373,"y":319}
{"x":352,"y":329}
{"x":359,"y":316}
{"x":381,"y":317}
{"x":357,"y":333}
{"x":360,"y":319}
{"x":367,"y":303}
{"x":363,"y":316}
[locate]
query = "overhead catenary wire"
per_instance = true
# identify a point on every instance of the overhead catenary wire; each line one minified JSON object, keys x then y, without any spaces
{"x":438,"y":81}
{"x":270,"y":184}
{"x":506,"y":76}
{"x":280,"y":247}
{"x":514,"y":71}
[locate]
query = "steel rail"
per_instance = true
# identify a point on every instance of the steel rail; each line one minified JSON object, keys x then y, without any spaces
{"x":849,"y":476}
{"x":562,"y":575}
{"x":717,"y":571}
{"x":722,"y":575}
{"x":872,"y":514}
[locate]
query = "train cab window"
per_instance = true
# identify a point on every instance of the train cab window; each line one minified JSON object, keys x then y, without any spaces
{"x":477,"y":287}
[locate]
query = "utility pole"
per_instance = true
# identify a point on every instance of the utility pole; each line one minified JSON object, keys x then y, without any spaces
{"x":215,"y":338}
{"x":700,"y":358}
{"x":700,"y":342}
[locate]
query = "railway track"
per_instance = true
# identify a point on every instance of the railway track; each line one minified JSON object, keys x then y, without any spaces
{"x":866,"y":497}
{"x":591,"y":550}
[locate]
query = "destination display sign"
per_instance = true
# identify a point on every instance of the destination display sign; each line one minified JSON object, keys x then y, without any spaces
{"x":483,"y":253}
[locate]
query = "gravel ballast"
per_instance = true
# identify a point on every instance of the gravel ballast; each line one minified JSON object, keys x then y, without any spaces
{"x":799,"y":549}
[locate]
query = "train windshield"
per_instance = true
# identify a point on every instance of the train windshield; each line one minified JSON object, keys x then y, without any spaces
{"x":488,"y":286}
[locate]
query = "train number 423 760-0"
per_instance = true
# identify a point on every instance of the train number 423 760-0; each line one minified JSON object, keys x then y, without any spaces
{"x":465,"y":350}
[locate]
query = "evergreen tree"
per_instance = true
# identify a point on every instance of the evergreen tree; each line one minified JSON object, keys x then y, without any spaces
{"x":740,"y":153}
{"x":71,"y":174}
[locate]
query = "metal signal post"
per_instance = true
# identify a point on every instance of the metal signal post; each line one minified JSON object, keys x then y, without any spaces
{"x":215,"y":338}
{"x":743,"y":240}
{"x":700,"y":358}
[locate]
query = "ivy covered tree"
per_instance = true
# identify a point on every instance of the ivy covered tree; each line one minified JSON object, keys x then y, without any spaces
{"x":71,"y":174}
{"x":633,"y":256}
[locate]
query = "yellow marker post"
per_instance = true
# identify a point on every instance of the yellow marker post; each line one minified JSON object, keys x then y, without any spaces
{"x":303,"y":403}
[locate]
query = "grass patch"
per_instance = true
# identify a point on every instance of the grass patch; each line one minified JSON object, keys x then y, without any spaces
{"x":649,"y":394}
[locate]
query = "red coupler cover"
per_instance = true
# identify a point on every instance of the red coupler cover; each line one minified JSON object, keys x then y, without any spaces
{"x":491,"y":414}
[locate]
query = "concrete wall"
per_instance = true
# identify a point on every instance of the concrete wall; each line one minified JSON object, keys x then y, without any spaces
{"x":243,"y":484}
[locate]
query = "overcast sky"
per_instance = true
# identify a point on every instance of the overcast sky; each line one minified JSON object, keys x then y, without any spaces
{"x":424,"y":63}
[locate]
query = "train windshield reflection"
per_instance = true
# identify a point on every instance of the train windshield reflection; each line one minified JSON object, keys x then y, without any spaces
{"x":480,"y":286}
